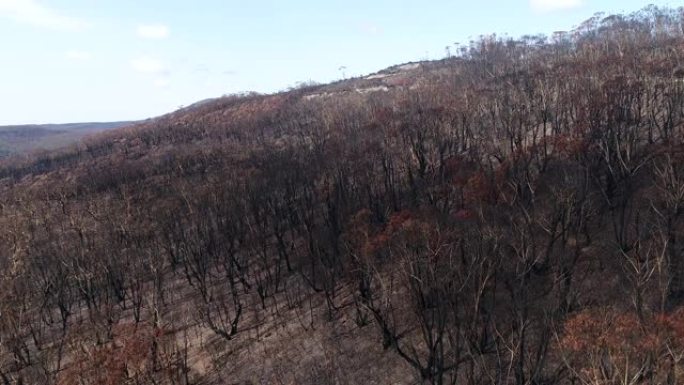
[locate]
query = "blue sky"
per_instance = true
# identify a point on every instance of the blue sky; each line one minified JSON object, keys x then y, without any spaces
{"x":102,"y":60}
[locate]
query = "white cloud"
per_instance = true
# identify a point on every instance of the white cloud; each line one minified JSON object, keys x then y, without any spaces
{"x":30,"y":12}
{"x":153,"y":31}
{"x":156,"y":69}
{"x":78,"y":55}
{"x":148,"y":65}
{"x":554,"y":5}
{"x":370,"y":29}
{"x":162,"y":82}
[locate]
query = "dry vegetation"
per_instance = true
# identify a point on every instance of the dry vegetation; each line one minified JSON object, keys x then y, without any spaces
{"x":512,"y":215}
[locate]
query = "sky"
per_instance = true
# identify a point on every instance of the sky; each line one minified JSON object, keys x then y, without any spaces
{"x":108,"y":60}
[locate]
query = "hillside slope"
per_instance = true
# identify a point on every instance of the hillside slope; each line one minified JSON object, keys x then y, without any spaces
{"x":20,"y":139}
{"x":512,"y":215}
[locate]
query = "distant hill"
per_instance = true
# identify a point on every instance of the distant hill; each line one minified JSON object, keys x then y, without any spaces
{"x":18,"y":139}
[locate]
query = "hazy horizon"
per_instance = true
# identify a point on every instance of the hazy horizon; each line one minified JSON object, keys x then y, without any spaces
{"x":69,"y":61}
